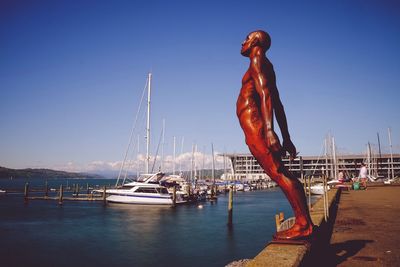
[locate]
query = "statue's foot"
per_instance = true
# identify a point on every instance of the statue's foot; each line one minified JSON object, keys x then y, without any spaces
{"x":296,"y":232}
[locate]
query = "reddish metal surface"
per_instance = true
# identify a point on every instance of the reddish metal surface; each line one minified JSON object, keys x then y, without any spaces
{"x":257,"y":103}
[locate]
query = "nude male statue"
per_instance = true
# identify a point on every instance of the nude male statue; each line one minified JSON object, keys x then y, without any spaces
{"x":257,"y":102}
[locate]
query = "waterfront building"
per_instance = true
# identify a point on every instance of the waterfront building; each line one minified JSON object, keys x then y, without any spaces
{"x":244,"y":167}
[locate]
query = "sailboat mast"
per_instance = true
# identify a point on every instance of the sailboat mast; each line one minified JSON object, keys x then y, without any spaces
{"x":148,"y":126}
{"x":380,"y":155}
{"x":334,"y":159}
{"x":213,"y":164}
{"x":162,"y":146}
{"x":173,"y":162}
{"x":369,"y":158}
{"x":326,"y":158}
{"x":391,"y":152}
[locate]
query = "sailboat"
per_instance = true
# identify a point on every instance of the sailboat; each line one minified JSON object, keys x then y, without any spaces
{"x":147,"y":189}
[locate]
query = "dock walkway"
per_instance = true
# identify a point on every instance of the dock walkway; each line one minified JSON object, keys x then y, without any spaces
{"x":367,"y":228}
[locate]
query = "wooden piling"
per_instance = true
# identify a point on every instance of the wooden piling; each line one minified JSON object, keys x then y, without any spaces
{"x":279,"y":219}
{"x":277,"y":222}
{"x":189,"y":191}
{"x":77,"y":190}
{"x":46,"y":190}
{"x":174,"y":197}
{"x":87,"y":189}
{"x":104,"y":195}
{"x":26,"y":192}
{"x":309,"y":193}
{"x":230,"y":206}
{"x":61,"y":195}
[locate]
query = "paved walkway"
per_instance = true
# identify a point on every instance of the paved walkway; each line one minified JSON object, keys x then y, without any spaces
{"x":367,"y":228}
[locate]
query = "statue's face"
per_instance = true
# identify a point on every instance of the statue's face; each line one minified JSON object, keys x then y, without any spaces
{"x":247,"y":44}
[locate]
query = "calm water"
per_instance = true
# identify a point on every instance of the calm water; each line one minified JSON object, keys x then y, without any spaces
{"x":42,"y":233}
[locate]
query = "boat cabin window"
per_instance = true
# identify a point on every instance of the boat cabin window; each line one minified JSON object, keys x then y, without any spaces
{"x":162,"y":190}
{"x":146,"y":190}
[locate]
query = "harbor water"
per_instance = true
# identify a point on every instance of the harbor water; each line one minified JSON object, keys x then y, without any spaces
{"x":42,"y":233}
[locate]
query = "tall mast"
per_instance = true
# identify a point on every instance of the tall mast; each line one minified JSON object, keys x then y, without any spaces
{"x":192,"y":165}
{"x":380,"y":155}
{"x":137,"y":157}
{"x":173,"y":162}
{"x":334,"y":158}
{"x":148,"y":125}
{"x":391,"y":152}
{"x":162,"y":146}
{"x":180,"y":160}
{"x":369,"y":158}
{"x":213,"y":164}
{"x":326,"y":158}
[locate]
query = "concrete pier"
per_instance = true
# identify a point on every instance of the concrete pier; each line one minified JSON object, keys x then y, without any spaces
{"x":293,"y":254}
{"x":362,"y":230}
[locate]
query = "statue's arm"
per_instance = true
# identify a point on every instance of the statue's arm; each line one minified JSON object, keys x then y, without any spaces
{"x":266,"y":108}
{"x":281,"y":119}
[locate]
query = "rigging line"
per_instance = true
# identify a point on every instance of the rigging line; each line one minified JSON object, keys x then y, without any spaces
{"x":130,"y":163}
{"x":155,"y":156}
{"x":132,"y":131}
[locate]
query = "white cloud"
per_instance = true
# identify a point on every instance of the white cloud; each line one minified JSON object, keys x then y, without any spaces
{"x":182,"y":162}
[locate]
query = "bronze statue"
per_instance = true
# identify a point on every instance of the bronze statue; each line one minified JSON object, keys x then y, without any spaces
{"x":257,"y":102}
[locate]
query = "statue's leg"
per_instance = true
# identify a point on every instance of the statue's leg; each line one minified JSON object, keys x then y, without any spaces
{"x":291,"y":187}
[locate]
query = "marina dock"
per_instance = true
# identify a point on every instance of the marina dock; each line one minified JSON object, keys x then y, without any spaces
{"x":362,"y":230}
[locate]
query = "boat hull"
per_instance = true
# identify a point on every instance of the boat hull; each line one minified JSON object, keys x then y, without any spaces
{"x":142,"y":200}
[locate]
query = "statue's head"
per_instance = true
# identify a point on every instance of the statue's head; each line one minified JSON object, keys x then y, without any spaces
{"x":257,"y":38}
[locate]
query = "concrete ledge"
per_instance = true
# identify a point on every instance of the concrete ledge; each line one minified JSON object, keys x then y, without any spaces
{"x":289,"y":254}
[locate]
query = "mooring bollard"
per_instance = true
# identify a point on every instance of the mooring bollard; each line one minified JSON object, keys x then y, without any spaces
{"x":230,"y":206}
{"x":26,"y":192}
{"x":60,"y":197}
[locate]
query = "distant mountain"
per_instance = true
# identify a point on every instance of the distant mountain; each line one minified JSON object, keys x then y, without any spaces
{"x":6,"y":173}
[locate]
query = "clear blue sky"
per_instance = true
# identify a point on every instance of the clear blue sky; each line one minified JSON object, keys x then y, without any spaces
{"x":72,"y":72}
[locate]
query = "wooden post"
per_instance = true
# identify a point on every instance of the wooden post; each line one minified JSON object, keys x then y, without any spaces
{"x":26,"y":192}
{"x":174,"y":197}
{"x":189,"y":191}
{"x":230,"y":206}
{"x":46,"y":190}
{"x":309,"y":192}
{"x":277,"y":222}
{"x":77,"y":190}
{"x":279,"y":219}
{"x":60,"y":199}
{"x":104,"y":195}
{"x":326,"y":197}
{"x":87,"y":188}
